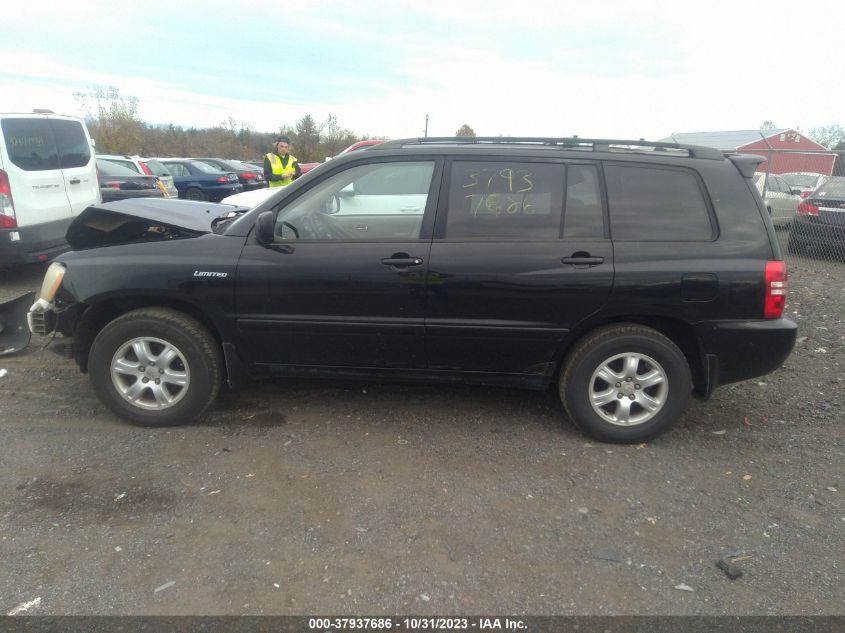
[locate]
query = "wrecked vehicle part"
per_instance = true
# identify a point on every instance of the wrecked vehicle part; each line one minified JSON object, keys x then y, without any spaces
{"x":14,"y":333}
{"x":145,"y":220}
{"x":173,"y":255}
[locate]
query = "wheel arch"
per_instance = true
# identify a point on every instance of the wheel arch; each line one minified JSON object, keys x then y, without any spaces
{"x":96,"y":316}
{"x":679,"y":332}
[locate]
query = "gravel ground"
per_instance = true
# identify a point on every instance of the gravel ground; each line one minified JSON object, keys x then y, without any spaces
{"x":296,"y":497}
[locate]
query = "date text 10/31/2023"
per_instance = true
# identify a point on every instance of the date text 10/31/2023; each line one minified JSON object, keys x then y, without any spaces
{"x":497,"y":191}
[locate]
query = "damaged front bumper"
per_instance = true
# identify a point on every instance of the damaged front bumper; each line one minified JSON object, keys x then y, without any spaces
{"x":14,"y":333}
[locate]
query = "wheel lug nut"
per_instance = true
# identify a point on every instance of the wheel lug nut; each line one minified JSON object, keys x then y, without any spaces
{"x":161,"y":371}
{"x":637,"y":387}
{"x":618,"y":384}
{"x":158,"y":382}
{"x":631,"y":397}
{"x":619,"y":395}
{"x":629,"y":379}
{"x":145,"y":380}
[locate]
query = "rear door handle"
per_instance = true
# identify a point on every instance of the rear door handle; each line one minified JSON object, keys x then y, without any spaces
{"x":74,"y":181}
{"x":402,"y":262}
{"x":583,"y":260}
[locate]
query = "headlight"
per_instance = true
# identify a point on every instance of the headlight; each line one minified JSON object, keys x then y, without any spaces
{"x":52,"y":281}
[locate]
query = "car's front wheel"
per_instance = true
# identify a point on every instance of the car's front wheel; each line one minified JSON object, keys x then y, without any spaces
{"x":156,"y":367}
{"x":625,"y":383}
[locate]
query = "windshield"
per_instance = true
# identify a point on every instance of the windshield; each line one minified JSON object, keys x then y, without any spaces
{"x":157,"y":168}
{"x":108,"y":168}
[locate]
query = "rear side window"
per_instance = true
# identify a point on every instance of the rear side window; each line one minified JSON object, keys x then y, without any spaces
{"x":177,"y":169}
{"x":30,"y":144}
{"x":582,"y":216}
{"x":505,"y":200}
{"x":656,"y":204}
{"x":71,"y":143}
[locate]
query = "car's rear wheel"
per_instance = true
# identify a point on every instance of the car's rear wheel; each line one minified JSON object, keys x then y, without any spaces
{"x":194,"y":193}
{"x":156,"y":367}
{"x":625,"y":383}
{"x":795,"y":246}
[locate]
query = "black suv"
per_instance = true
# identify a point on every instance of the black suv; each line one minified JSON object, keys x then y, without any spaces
{"x":625,"y":274}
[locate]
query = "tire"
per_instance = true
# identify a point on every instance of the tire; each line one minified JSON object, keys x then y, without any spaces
{"x":611,"y":347}
{"x":190,"y":374}
{"x":193,"y":193}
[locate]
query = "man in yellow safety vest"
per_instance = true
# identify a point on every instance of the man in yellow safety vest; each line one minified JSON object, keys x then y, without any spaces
{"x":280,"y":167}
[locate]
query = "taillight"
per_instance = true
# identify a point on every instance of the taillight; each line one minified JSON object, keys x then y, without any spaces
{"x":112,"y":185}
{"x":144,"y":168}
{"x":8,"y":219}
{"x":807,"y":208}
{"x":806,"y":194}
{"x":248,"y":175}
{"x":223,"y":179}
{"x":775,"y":290}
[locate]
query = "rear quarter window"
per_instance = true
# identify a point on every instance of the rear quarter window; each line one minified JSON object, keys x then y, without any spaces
{"x":30,"y":144}
{"x":656,"y":204}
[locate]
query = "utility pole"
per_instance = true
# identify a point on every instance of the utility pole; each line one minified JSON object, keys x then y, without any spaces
{"x":426,"y":126}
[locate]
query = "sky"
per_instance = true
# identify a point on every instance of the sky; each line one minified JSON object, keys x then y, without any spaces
{"x":592,"y":68}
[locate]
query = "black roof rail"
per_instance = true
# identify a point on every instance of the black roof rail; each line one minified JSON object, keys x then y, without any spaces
{"x":574,"y":142}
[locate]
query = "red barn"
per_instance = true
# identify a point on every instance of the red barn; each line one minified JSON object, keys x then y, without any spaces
{"x":788,"y":149}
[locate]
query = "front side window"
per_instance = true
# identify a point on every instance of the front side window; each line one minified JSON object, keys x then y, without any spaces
{"x":71,"y":142}
{"x":656,"y":204}
{"x":30,"y":143}
{"x":378,"y":201}
{"x":505,"y":200}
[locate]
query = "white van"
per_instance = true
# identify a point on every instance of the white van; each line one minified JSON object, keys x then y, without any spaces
{"x":48,"y":175}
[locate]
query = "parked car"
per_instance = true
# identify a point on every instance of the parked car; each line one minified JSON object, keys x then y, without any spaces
{"x":624,"y":278}
{"x":804,"y":183}
{"x":819,"y":226}
{"x":781,"y":203}
{"x":146,"y":166}
{"x":47,"y":177}
{"x":250,"y":177}
{"x":359,"y":145}
{"x":120,"y":183}
{"x":250,"y":199}
{"x":196,"y":180}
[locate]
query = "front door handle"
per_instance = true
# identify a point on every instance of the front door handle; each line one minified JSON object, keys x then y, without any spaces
{"x":74,"y":181}
{"x":402,"y":262}
{"x":582,"y":259}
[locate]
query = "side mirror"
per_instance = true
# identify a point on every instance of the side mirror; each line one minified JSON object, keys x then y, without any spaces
{"x":264,"y":228}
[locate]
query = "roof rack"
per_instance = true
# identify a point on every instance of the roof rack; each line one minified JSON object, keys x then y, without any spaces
{"x":569,"y":143}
